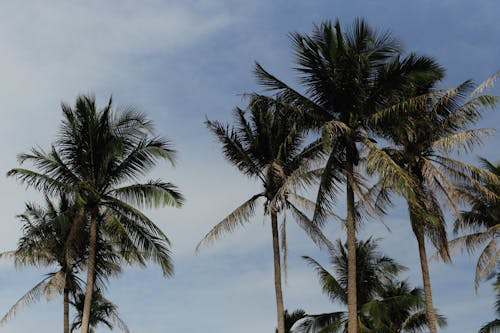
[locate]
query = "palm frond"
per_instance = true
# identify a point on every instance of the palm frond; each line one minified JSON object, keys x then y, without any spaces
{"x":329,"y":184}
{"x":486,"y":84}
{"x":55,"y":285}
{"x":491,"y":327}
{"x":237,"y":218}
{"x":311,"y":229}
{"x":328,"y":282}
{"x":149,"y":238}
{"x":395,"y":177}
{"x":32,"y":296}
{"x":462,"y":141}
{"x":233,"y":149}
{"x":487,"y":261}
{"x":39,"y":181}
{"x":153,"y":194}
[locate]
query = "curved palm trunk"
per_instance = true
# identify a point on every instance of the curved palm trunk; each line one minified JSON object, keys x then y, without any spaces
{"x":90,"y":275}
{"x":352,"y":307}
{"x":429,"y":307}
{"x":66,"y":309}
{"x":418,"y":230}
{"x":277,"y":272}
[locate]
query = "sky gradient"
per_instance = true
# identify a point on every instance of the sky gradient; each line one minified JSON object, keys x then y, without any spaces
{"x":183,"y":61}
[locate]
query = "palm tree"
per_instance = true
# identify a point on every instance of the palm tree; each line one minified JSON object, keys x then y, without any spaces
{"x":45,"y":243}
{"x":385,"y":305}
{"x":482,"y":221}
{"x":347,"y":76}
{"x":267,"y":144}
{"x":292,"y":318}
{"x":102,"y":312}
{"x":96,"y":160}
{"x":430,"y":127}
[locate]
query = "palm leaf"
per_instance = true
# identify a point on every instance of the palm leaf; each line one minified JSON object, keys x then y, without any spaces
{"x":237,"y":218}
{"x":32,"y":296}
{"x":311,"y":229}
{"x":152,"y":194}
{"x":462,"y":141}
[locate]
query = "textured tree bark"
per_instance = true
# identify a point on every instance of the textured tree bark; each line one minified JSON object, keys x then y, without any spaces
{"x":277,"y":273}
{"x":66,"y":309}
{"x":352,"y":306}
{"x":429,"y":307}
{"x":90,"y":275}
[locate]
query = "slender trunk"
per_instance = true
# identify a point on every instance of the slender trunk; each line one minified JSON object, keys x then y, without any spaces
{"x":277,"y":273}
{"x":352,"y":307}
{"x":66,"y":308}
{"x":90,"y":274}
{"x":429,"y":307}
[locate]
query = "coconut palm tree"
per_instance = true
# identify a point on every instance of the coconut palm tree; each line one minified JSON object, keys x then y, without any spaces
{"x":431,"y":126}
{"x":102,"y":311}
{"x":96,"y":160}
{"x":291,"y":318}
{"x":44,"y":243}
{"x":385,"y":305}
{"x":346,"y":77}
{"x":481,"y":221}
{"x":267,"y":144}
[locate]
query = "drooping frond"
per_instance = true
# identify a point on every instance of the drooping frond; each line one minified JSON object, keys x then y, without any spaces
{"x":237,"y":218}
{"x":32,"y":296}
{"x":462,"y":141}
{"x":311,"y":228}
{"x":491,"y":327}
{"x":39,"y":181}
{"x":466,"y":173}
{"x":487,"y":261}
{"x":55,"y":285}
{"x":151,"y":241}
{"x":310,"y":205}
{"x":50,"y":164}
{"x":393,"y":175}
{"x":329,"y":184}
{"x":328,"y":282}
{"x":333,"y":322}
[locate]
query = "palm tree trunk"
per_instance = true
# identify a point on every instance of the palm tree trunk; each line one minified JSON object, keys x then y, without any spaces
{"x":352,"y":307}
{"x":90,"y":275}
{"x":277,"y":273}
{"x":429,"y":307}
{"x":66,"y":309}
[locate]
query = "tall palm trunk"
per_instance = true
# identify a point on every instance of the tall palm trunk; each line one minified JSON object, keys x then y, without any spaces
{"x":66,"y":309}
{"x":277,"y":272}
{"x":90,"y":274}
{"x":429,"y":307}
{"x":352,"y":307}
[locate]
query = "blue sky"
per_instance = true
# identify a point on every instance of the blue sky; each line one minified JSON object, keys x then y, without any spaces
{"x":180,"y":61}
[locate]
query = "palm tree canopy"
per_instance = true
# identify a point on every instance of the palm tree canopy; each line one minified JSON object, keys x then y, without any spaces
{"x":373,"y":269}
{"x":348,"y":77}
{"x":102,"y":312}
{"x":96,"y":160}
{"x":431,"y":126}
{"x":268,"y":144}
{"x":47,"y":241}
{"x":481,"y":221}
{"x":385,"y":304}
